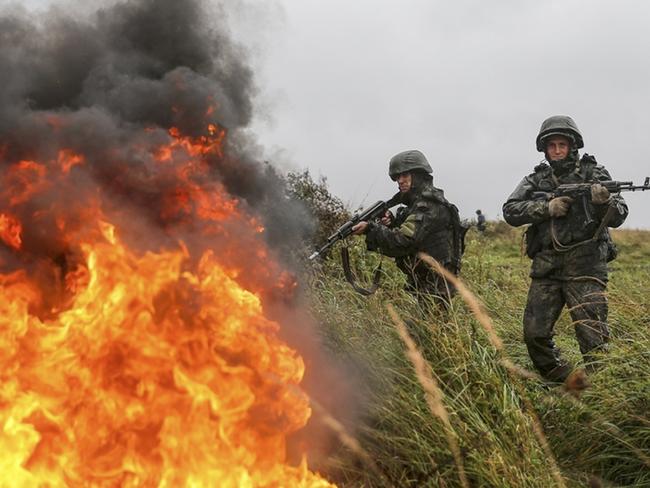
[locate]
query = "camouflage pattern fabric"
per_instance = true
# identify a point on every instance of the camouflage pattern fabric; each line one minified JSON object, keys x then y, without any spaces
{"x":576,"y":277}
{"x":587,"y":303}
{"x":423,"y":224}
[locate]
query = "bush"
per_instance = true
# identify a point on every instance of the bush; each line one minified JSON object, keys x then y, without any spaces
{"x":327,"y":211}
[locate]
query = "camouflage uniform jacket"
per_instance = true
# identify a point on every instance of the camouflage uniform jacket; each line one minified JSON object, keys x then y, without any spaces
{"x":424,"y":224}
{"x":589,"y":259}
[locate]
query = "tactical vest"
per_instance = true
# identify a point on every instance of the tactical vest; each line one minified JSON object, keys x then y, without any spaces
{"x":571,"y":229}
{"x":446,"y":244}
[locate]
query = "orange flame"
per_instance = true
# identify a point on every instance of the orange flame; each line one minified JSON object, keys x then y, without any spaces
{"x":23,"y":180}
{"x":161,"y":369}
{"x":67,"y":159}
{"x":10,"y":230}
{"x":157,"y":375}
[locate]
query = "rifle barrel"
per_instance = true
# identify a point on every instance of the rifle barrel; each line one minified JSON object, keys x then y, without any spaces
{"x":345,"y":230}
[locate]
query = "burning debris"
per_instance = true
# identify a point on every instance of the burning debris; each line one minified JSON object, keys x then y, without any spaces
{"x":137,"y":257}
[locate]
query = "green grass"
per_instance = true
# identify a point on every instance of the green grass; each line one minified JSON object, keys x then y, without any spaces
{"x":601,"y":437}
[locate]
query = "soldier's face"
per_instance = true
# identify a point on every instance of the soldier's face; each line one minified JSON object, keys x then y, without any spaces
{"x":404,"y":182}
{"x":557,"y":148}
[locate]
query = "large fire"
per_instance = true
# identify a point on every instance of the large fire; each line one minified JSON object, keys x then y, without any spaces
{"x":129,"y":367}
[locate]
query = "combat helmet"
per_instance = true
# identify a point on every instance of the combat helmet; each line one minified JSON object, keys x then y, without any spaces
{"x":559,"y":125}
{"x":405,"y":161}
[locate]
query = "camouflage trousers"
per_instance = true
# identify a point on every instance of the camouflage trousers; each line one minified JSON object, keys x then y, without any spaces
{"x":586,"y":300}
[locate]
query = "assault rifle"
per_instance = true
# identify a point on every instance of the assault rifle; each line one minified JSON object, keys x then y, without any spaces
{"x":375,"y":211}
{"x":583,"y":191}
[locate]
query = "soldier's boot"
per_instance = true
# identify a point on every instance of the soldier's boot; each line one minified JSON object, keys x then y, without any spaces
{"x":546,"y":358}
{"x":559,"y":374}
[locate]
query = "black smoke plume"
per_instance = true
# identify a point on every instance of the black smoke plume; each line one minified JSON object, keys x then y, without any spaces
{"x":114,"y":87}
{"x":110,"y":86}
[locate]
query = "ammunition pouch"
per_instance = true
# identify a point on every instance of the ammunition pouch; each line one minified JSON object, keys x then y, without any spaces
{"x":533,"y":241}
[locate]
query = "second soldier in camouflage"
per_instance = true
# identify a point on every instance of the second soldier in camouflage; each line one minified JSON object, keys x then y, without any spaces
{"x":569,"y":250}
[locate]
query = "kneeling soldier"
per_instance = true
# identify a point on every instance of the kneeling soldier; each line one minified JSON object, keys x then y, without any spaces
{"x":426,"y":223}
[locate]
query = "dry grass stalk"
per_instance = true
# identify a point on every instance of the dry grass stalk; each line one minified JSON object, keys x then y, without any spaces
{"x":347,"y":439}
{"x":472,"y":302}
{"x":484,"y":319}
{"x":342,"y":434}
{"x":432,"y":391}
{"x":573,"y":387}
{"x":518,"y":370}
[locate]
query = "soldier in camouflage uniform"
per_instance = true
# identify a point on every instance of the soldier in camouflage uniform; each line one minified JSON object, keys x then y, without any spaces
{"x":569,"y":254}
{"x":425,"y":223}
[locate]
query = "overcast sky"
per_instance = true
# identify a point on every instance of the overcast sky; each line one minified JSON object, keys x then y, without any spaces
{"x":346,"y":84}
{"x":351,"y":83}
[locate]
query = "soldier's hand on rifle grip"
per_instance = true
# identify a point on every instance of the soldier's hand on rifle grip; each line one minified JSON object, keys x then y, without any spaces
{"x":599,"y":194}
{"x":387,"y":219}
{"x":360,"y":228}
{"x":559,"y":206}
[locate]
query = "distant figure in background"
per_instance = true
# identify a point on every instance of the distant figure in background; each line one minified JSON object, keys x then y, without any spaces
{"x":480,"y":221}
{"x":569,"y":249}
{"x":426,"y":223}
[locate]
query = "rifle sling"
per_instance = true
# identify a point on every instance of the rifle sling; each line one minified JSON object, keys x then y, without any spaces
{"x":559,"y":247}
{"x":349,"y":275}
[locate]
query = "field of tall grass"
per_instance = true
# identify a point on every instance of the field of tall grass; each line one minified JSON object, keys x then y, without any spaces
{"x":452,"y":399}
